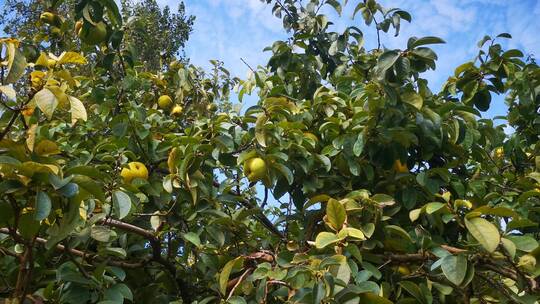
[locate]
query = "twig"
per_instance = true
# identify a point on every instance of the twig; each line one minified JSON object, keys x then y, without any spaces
{"x":378,"y":33}
{"x":265,"y":199}
{"x":260,"y":217}
{"x":497,"y":286}
{"x":284,"y":9}
{"x":247,"y":65}
{"x":9,"y":125}
{"x":239,"y":281}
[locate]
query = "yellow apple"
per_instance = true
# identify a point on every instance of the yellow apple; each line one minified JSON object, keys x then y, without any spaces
{"x":164,"y":101}
{"x":49,"y":18}
{"x":255,"y":169}
{"x":527,"y":262}
{"x":134,"y":170}
{"x":177,"y":110}
{"x":403,"y":270}
{"x":499,"y":153}
{"x":212,"y":107}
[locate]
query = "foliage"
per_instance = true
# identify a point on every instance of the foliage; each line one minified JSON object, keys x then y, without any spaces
{"x":387,"y":192}
{"x":154,"y":35}
{"x":162,"y":32}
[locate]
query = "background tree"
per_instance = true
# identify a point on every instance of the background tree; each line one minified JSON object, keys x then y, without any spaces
{"x":119,"y":184}
{"x":162,"y":33}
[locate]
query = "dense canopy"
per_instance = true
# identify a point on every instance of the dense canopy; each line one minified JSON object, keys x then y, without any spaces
{"x":350,"y":181}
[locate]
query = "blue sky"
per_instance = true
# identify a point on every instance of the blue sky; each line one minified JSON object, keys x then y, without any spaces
{"x":232,"y":29}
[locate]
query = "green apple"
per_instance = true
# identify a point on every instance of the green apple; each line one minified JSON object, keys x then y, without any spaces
{"x":93,"y":34}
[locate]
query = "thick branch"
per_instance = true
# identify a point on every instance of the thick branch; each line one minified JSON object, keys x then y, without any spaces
{"x":129,"y":228}
{"x":86,"y":256}
{"x":9,"y":125}
{"x":15,"y":116}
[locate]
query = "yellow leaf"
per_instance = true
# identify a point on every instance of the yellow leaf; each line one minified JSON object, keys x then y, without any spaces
{"x":46,"y":102}
{"x":43,"y":60}
{"x":77,"y":110}
{"x":36,"y":77}
{"x":31,"y":137}
{"x":172,"y":160}
{"x":9,"y":91}
{"x":66,"y":75}
{"x":82,"y":211}
{"x":71,"y":57}
{"x":60,"y":94}
{"x":46,"y":147}
{"x":29,"y":168}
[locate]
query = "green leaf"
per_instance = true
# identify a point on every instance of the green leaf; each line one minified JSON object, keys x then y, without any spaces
{"x":433,"y":207}
{"x":413,"y":98}
{"x":43,"y":206}
{"x":193,"y":238}
{"x":285,"y":171}
{"x":425,"y":41}
{"x":524,"y":242}
{"x":483,"y":41}
{"x":101,"y":233}
{"x":512,"y":53}
{"x":358,"y":146}
{"x":6,"y":213}
{"x":509,"y":246}
{"x":504,"y":35}
{"x":413,"y":289}
{"x":121,"y":203}
{"x":383,"y":199}
{"x":236,"y":300}
{"x":226,"y":272}
{"x":373,"y":299}
{"x":386,"y":60}
{"x":398,"y":231}
{"x":46,"y":102}
{"x":114,"y":12}
{"x":16,"y":63}
{"x":336,"y":213}
{"x":336,"y":5}
{"x":462,"y":68}
{"x":324,"y":239}
{"x":484,"y":232}
{"x":355,"y":233}
{"x":454,"y":268}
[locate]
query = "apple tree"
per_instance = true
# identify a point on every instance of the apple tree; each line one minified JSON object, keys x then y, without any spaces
{"x":349,"y":181}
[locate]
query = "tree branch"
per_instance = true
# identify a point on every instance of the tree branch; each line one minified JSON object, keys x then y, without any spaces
{"x":260,"y":217}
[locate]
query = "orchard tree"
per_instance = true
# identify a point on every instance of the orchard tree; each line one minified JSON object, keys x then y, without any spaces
{"x":153,"y":34}
{"x":121,"y":184}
